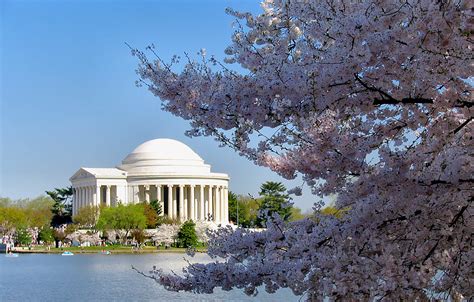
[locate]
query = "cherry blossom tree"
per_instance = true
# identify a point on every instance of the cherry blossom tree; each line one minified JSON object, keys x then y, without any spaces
{"x":83,"y":236}
{"x":165,"y":233}
{"x":370,"y":101}
{"x":203,"y":228}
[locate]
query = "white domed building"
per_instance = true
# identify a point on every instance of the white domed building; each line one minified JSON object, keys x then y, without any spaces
{"x":161,"y":169}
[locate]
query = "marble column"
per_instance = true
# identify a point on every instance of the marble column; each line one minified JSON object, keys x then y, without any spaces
{"x":92,"y":202}
{"x":137,"y":194}
{"x":87,"y":192}
{"x":191,"y":204}
{"x":212,"y":205}
{"x":79,"y":198}
{"x":78,"y":192}
{"x":73,"y":201}
{"x":206,"y":202}
{"x":90,"y":199}
{"x":201,"y":203}
{"x":175,"y":202}
{"x":107,"y":196}
{"x":84,"y":203}
{"x":84,"y":196}
{"x":114,"y":195}
{"x":226,"y":205}
{"x":97,"y":196}
{"x":196,"y":202}
{"x":160,"y":199}
{"x":170,"y":201}
{"x":222,"y":205}
{"x":221,"y":196}
{"x":146,"y":190}
{"x":185,"y":205}
{"x":181,"y":201}
{"x":84,"y":199}
{"x":218,"y":205}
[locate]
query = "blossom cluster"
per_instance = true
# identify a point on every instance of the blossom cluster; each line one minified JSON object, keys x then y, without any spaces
{"x":369,"y":101}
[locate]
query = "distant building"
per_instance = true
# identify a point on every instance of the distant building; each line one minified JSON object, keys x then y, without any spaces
{"x":161,"y":169}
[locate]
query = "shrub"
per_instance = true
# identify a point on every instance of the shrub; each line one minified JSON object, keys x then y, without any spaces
{"x":187,"y":235}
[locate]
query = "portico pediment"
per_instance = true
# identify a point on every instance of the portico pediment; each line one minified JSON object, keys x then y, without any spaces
{"x":81,"y":174}
{"x":99,"y":173}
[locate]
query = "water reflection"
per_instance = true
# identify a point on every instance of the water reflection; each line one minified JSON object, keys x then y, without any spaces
{"x":37,"y":277}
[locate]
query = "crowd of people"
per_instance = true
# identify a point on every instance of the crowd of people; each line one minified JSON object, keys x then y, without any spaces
{"x":9,"y":243}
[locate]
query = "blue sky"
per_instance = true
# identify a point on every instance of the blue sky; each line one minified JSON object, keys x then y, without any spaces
{"x":68,"y":97}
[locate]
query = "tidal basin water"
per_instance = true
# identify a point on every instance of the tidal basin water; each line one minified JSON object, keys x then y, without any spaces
{"x":94,"y":277}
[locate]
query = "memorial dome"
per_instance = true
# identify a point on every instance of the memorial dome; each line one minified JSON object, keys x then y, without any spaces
{"x":163,"y":156}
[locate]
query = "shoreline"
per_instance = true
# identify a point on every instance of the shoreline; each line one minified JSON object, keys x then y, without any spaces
{"x":99,"y":251}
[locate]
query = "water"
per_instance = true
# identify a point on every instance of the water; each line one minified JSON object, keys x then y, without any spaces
{"x":94,"y":277}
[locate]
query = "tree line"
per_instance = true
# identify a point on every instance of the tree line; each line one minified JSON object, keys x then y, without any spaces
{"x":49,"y":218}
{"x":247,"y":211}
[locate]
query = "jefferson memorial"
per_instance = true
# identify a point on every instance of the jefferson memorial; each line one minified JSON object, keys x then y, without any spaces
{"x":161,"y":169}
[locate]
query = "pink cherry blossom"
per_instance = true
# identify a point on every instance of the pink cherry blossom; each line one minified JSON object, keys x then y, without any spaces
{"x":369,"y":101}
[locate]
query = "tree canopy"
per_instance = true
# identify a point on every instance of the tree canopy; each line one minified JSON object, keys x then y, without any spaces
{"x":273,"y":199}
{"x":151,"y":215}
{"x":46,"y":235}
{"x":370,"y":101}
{"x":87,"y":216}
{"x":245,"y":208}
{"x":23,"y":236}
{"x":62,"y":208}
{"x":24,"y":213}
{"x":122,"y":217}
{"x":187,"y":236}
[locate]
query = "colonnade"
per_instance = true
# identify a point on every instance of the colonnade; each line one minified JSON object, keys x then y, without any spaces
{"x":205,"y":202}
{"x":179,"y":201}
{"x":91,"y":196}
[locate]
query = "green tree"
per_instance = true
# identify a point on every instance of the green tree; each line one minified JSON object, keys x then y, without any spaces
{"x":23,"y":236}
{"x":46,"y":235}
{"x":24,"y":213}
{"x":245,"y":208}
{"x":332,"y":210}
{"x":273,"y":200}
{"x":296,"y":214}
{"x":248,"y":210}
{"x":38,"y":211}
{"x":62,"y":207}
{"x":155,"y":204}
{"x":12,"y":218}
{"x":160,"y":218}
{"x":233,"y":207}
{"x":87,"y":217}
{"x":122,"y":217}
{"x":151,"y":215}
{"x":187,"y":236}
